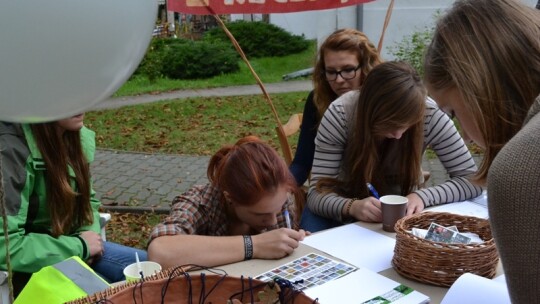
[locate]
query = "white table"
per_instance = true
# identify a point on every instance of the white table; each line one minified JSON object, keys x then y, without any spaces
{"x":257,"y":267}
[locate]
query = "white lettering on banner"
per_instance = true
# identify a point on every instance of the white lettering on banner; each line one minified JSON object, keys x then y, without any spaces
{"x":193,"y":3}
{"x":205,"y":7}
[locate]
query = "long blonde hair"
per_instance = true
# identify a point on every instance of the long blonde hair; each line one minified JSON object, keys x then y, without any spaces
{"x":392,"y":98}
{"x":490,"y":51}
{"x":341,"y":40}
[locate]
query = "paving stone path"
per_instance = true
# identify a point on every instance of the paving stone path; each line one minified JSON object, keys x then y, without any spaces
{"x":135,"y":182}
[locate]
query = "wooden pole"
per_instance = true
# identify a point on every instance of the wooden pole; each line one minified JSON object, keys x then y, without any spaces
{"x":257,"y":79}
{"x":386,"y":21}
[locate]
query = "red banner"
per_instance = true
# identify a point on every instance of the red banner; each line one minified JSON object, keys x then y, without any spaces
{"x":209,"y":7}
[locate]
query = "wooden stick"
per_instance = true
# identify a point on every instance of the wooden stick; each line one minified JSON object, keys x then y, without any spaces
{"x":244,"y":58}
{"x":386,"y":21}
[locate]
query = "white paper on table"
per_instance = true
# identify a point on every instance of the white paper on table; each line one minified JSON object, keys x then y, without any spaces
{"x":471,"y":288}
{"x":481,"y":199}
{"x":501,"y":279}
{"x":474,"y":207}
{"x":358,"y":246}
{"x":360,"y":286}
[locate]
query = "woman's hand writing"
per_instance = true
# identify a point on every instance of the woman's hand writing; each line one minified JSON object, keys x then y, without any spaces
{"x":277,"y":243}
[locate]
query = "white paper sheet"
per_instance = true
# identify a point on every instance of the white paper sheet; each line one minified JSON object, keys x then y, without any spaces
{"x":361,"y":286}
{"x":358,"y":246}
{"x":473,"y":289}
{"x":475,"y":207}
{"x":500,"y":279}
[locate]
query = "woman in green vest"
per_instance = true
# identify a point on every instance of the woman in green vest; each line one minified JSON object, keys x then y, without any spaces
{"x":52,"y":212}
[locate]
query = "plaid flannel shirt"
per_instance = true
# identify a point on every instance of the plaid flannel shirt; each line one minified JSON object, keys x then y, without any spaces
{"x":199,"y":211}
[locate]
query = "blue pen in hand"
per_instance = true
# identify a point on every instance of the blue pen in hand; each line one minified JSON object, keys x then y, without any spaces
{"x":373,"y":191}
{"x":287,"y":218}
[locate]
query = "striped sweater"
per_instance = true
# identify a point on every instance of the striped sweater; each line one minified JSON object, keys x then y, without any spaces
{"x":439,"y":132}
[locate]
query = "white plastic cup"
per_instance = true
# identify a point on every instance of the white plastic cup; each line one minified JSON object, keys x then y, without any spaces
{"x":131,"y":272}
{"x":393,"y":208}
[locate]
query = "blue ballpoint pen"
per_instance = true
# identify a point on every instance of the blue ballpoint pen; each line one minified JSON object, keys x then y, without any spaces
{"x":287,"y":218}
{"x":373,"y":191}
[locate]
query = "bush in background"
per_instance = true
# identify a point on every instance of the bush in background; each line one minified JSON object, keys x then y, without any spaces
{"x":412,"y":48}
{"x":199,"y":59}
{"x":152,"y":63}
{"x":260,"y":39}
{"x":179,"y":58}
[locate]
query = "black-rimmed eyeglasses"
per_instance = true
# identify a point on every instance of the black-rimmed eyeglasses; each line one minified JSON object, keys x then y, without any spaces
{"x":346,"y":74}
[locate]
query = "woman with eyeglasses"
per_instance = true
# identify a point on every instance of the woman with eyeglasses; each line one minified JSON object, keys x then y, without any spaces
{"x":343,"y":61}
{"x":377,"y":135}
{"x":245,"y":212}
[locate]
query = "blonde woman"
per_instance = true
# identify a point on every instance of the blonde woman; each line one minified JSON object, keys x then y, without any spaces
{"x":483,"y":66}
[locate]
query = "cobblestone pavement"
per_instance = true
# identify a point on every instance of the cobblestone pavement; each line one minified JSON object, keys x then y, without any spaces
{"x":137,"y":182}
{"x":126,"y":181}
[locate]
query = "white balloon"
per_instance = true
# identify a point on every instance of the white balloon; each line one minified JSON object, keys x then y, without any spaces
{"x":58,"y":58}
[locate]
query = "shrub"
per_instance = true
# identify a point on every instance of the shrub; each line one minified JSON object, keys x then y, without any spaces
{"x":199,"y":59}
{"x":152,"y":63}
{"x":412,"y":48}
{"x":178,"y":58}
{"x":260,"y":39}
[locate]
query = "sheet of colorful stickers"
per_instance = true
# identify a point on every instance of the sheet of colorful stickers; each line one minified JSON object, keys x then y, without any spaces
{"x":312,"y":269}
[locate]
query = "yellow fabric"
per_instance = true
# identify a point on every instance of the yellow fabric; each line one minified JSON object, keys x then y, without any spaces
{"x":51,"y":286}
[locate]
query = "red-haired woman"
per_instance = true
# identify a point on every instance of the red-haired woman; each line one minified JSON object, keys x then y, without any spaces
{"x":239,"y":215}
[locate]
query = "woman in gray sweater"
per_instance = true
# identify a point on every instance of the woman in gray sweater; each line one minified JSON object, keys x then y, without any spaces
{"x":483,"y":65}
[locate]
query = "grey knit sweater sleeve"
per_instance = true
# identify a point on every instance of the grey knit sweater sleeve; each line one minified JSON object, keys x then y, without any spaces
{"x":514,"y":209}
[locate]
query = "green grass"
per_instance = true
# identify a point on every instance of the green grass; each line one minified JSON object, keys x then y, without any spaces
{"x":196,"y":126}
{"x":269,"y":70}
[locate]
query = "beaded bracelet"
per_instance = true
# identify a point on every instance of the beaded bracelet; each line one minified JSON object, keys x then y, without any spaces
{"x":348,"y":208}
{"x":248,"y":247}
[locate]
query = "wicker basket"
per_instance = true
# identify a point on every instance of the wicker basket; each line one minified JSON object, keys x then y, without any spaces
{"x":439,"y":263}
{"x":175,"y":285}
